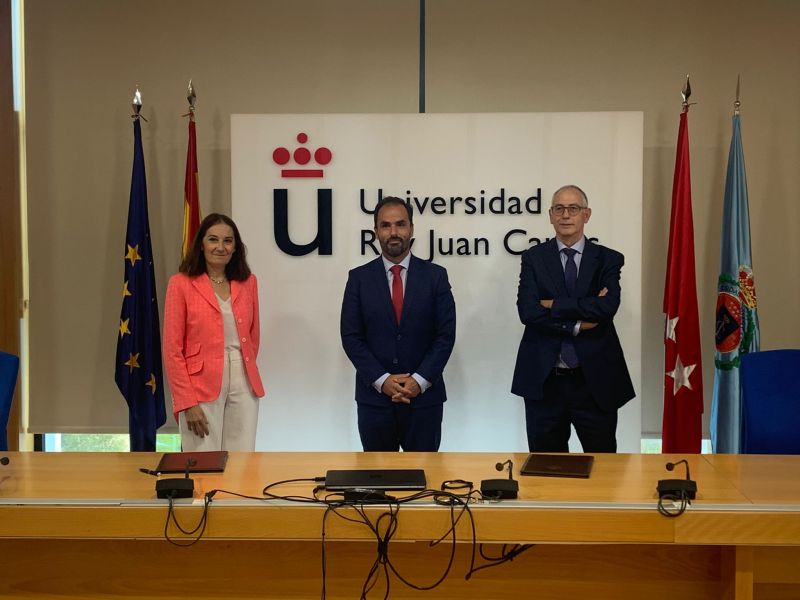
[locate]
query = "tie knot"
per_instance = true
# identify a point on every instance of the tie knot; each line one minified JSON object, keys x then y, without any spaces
{"x":396,"y":270}
{"x":570,"y":252}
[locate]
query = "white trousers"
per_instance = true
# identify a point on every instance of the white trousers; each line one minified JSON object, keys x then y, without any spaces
{"x":232,"y":418}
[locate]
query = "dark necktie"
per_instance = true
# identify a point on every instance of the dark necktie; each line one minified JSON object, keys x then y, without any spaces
{"x":397,"y":291}
{"x":568,"y":354}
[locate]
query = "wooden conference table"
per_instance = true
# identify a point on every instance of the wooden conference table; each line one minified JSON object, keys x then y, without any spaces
{"x":89,"y":526}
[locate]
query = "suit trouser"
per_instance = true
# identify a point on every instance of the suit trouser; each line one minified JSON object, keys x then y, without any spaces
{"x":232,"y":417}
{"x":567,"y":399}
{"x":396,"y":425}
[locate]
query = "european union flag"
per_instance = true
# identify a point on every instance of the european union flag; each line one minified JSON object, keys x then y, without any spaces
{"x":736,"y":317}
{"x":138,"y":367}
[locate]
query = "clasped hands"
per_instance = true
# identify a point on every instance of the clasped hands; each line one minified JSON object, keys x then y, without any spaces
{"x":584,"y":324}
{"x":401,"y":387}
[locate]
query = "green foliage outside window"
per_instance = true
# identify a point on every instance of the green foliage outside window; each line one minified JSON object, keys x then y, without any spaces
{"x":113,"y":442}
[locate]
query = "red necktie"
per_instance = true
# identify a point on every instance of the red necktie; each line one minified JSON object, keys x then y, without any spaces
{"x":397,"y":291}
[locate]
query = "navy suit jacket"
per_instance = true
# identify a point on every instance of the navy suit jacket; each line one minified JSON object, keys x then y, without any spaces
{"x":598,"y":349}
{"x":421,"y":343}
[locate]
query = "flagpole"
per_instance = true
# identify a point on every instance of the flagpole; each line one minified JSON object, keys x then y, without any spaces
{"x":138,"y":365}
{"x":191,"y":193}
{"x":736,"y":319}
{"x":683,"y":384}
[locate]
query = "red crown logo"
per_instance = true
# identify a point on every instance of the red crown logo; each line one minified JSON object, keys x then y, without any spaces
{"x":302,"y":156}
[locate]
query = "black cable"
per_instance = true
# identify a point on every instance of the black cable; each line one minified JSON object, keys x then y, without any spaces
{"x":201,"y":525}
{"x":457,"y":484}
{"x":505,"y":556}
{"x":381,"y":562}
{"x":452,"y":530}
{"x":492,"y":558}
{"x":382,"y":539}
{"x":384,"y":528}
{"x":684,"y":500}
{"x":308,"y":499}
{"x":382,"y":554}
{"x":468,"y":497}
{"x":324,"y":556}
{"x":383,"y":535}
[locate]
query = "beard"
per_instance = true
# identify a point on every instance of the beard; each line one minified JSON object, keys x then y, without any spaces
{"x":390,"y":248}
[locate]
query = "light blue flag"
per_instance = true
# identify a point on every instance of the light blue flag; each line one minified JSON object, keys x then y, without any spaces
{"x":736,"y":316}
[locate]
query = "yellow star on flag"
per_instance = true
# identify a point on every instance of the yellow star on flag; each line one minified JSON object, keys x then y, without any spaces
{"x":133,"y":254}
{"x":133,"y":361}
{"x":125,"y":290}
{"x":123,"y":327}
{"x":152,"y":383}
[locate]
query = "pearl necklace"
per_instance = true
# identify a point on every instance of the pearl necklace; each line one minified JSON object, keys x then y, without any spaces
{"x":218,"y":281}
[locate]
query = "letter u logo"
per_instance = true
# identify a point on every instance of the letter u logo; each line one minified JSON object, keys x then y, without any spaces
{"x":324,"y":237}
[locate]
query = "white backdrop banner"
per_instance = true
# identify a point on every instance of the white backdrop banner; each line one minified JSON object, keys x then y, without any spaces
{"x":303,"y":191}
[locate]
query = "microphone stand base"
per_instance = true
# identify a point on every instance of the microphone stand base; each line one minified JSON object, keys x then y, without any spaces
{"x":175,"y":488}
{"x":677,"y":488}
{"x":499,"y":489}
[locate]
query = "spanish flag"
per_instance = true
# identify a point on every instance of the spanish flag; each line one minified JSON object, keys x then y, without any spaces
{"x":191,"y":196}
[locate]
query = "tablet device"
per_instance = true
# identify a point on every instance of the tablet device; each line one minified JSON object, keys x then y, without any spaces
{"x":558,"y":465}
{"x":198,"y":462}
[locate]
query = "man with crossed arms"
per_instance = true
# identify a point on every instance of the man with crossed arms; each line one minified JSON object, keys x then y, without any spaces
{"x":570,"y":367}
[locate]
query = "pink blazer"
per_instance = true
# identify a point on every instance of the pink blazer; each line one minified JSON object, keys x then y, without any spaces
{"x":194,"y":344}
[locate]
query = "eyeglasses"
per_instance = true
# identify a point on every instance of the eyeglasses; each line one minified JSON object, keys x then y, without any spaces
{"x":572,"y":209}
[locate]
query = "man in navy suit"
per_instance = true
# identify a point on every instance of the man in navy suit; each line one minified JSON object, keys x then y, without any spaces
{"x":570,"y":366}
{"x":398,"y":327}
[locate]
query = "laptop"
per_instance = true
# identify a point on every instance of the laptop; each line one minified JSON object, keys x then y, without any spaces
{"x":558,"y":465}
{"x":375,"y":479}
{"x":213,"y":461}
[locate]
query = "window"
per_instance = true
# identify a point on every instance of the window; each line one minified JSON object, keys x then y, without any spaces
{"x":105,"y":442}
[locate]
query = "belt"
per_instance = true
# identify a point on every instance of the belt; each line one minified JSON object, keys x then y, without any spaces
{"x":563,"y":371}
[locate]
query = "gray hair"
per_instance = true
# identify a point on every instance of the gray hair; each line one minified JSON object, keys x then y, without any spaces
{"x":573,"y":188}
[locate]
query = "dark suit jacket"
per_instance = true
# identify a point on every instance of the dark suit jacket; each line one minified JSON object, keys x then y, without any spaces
{"x":421,"y":343}
{"x":598,"y":349}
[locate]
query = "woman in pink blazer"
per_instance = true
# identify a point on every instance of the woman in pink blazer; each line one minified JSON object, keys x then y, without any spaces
{"x":211,"y":335}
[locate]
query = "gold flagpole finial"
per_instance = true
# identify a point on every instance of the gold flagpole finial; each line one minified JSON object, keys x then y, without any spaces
{"x":737,"y":104}
{"x":191,"y":96}
{"x":685,"y":93}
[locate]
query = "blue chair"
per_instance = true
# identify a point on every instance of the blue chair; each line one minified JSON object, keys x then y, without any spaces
{"x":770,"y":383}
{"x":9,"y":368}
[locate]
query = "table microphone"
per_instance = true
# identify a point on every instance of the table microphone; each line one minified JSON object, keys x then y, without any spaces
{"x":177,"y":487}
{"x":501,"y":489}
{"x":4,"y":461}
{"x":499,"y":466}
{"x":671,"y":467}
{"x":677,"y":488}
